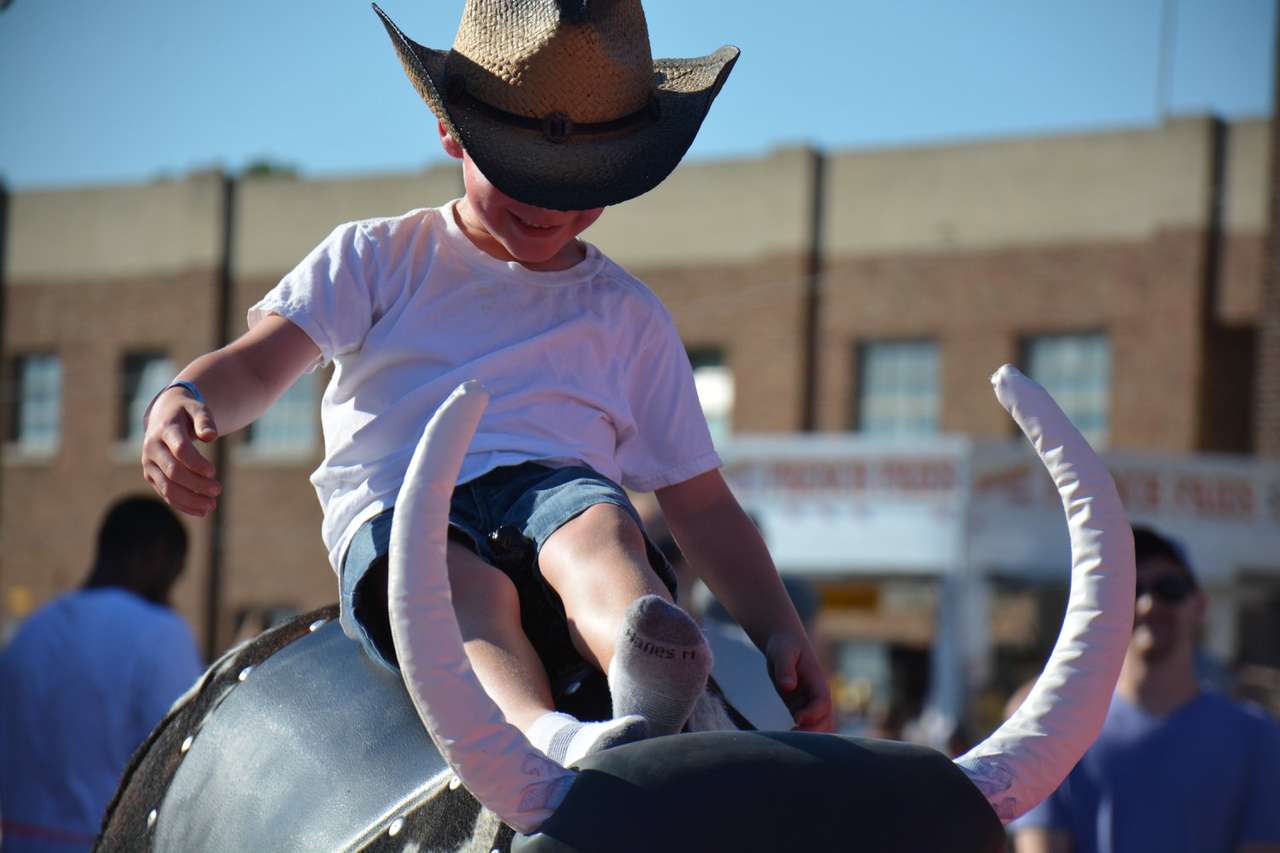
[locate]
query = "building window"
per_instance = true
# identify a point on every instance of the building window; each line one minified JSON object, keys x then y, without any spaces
{"x":897,"y":388}
{"x":35,"y":413}
{"x":714,"y":381}
{"x":288,"y":428}
{"x":1076,"y":370}
{"x":144,"y":375}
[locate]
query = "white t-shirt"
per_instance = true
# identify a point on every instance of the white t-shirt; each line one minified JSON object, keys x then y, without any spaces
{"x":584,"y":365}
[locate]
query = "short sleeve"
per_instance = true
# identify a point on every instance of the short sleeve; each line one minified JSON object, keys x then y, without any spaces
{"x":329,"y":295}
{"x":670,"y":441}
{"x":1260,"y":821}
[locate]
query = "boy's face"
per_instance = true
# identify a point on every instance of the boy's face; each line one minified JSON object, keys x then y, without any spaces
{"x":511,"y":230}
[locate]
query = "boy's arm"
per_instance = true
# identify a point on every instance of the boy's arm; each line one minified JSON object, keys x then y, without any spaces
{"x":727,"y":551}
{"x":237,"y":384}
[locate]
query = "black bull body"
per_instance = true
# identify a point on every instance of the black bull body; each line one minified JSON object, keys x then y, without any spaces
{"x":296,"y":741}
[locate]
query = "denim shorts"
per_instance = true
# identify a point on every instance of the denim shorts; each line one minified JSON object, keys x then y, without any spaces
{"x":505,"y":517}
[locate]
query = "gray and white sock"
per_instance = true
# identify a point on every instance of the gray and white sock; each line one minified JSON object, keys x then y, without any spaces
{"x":660,"y":665}
{"x":565,"y":739}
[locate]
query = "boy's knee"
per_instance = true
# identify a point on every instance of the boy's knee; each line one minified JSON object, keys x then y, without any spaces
{"x":600,"y":556}
{"x":603,"y":531}
{"x":606,"y":524}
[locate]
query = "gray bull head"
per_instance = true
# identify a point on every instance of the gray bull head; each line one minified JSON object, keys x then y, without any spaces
{"x":296,"y":742}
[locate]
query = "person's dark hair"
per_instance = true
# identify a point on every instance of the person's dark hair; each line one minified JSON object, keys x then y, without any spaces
{"x":142,"y":547}
{"x":1149,"y":544}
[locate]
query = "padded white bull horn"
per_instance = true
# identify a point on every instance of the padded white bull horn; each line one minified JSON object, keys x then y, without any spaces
{"x":1026,"y":759}
{"x":493,"y":759}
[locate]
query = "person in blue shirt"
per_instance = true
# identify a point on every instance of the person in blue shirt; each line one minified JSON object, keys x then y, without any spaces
{"x":85,"y":679}
{"x":1175,"y":768}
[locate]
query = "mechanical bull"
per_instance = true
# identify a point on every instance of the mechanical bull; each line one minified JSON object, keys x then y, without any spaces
{"x":260,"y":756}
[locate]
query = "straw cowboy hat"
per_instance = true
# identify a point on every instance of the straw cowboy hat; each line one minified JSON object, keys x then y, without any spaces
{"x":559,"y":102}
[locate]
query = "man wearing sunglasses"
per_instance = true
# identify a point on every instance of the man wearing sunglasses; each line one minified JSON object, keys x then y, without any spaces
{"x":1175,"y":768}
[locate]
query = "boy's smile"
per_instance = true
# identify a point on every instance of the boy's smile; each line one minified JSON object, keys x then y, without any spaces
{"x":509,"y":230}
{"x":535,"y":226}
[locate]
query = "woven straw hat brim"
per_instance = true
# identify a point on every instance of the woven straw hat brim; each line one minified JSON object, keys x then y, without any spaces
{"x":584,"y":172}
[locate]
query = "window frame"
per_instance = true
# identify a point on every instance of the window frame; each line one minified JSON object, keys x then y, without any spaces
{"x":714,"y":356}
{"x":254,"y":448}
{"x":17,"y":404}
{"x":134,"y":394}
{"x":1066,"y":397}
{"x":862,"y":383}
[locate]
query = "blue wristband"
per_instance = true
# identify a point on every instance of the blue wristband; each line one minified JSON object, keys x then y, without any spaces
{"x":190,"y":388}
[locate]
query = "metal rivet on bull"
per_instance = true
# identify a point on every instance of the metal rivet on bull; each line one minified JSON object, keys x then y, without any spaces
{"x":151,"y":818}
{"x":396,"y":826}
{"x":186,"y":744}
{"x":244,"y":673}
{"x":455,"y":783}
{"x":314,"y":626}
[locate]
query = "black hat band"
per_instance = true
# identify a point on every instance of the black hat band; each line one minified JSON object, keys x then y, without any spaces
{"x":556,"y":127}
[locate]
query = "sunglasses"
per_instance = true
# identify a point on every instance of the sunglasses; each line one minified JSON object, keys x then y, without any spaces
{"x":1169,"y":589}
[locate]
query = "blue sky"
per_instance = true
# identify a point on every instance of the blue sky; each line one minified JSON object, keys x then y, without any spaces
{"x":129,"y":90}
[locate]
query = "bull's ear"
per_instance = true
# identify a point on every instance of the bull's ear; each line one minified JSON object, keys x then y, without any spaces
{"x":768,"y":791}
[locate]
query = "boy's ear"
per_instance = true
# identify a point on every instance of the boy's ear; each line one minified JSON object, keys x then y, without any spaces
{"x":451,"y":146}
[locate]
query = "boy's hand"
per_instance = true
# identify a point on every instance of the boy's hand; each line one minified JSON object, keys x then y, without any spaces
{"x":170,"y":461}
{"x":800,"y":682}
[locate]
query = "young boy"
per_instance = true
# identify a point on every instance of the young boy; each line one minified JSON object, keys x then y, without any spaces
{"x":556,"y":110}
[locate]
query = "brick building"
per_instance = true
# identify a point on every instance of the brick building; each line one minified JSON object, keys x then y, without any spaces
{"x":869,"y":291}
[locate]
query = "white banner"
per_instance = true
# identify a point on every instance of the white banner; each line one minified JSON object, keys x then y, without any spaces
{"x":847,"y":505}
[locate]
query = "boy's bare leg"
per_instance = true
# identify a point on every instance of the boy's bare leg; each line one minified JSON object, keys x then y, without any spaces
{"x":597,"y":564}
{"x":489,"y":616}
{"x":508,"y":668}
{"x":622,"y":620}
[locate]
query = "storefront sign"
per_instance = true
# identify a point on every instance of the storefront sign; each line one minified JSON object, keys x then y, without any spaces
{"x":843,"y":505}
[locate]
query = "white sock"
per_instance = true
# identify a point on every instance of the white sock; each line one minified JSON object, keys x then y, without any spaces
{"x":660,"y":665}
{"x":567,"y":740}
